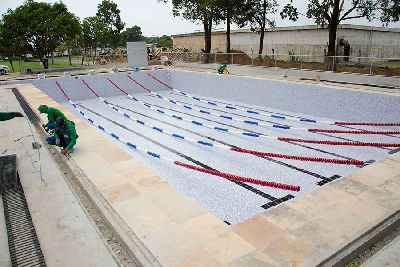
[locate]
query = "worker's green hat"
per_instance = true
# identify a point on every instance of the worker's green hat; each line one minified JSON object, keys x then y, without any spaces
{"x":42,"y":108}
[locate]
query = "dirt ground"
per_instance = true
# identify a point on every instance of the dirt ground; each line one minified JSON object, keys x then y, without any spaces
{"x":389,"y":70}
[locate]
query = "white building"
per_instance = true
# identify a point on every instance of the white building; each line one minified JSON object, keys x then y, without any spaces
{"x":352,"y":41}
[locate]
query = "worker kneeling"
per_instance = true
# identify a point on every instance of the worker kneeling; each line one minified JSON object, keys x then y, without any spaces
{"x":64,"y":135}
{"x":222,"y":69}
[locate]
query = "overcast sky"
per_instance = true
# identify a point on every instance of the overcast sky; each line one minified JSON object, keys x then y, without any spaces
{"x":156,"y":18}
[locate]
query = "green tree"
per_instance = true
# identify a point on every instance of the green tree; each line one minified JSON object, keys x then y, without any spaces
{"x":132,"y":34}
{"x":41,"y":26}
{"x":330,"y":13}
{"x":92,"y":32}
{"x":230,"y":11}
{"x":109,"y":15}
{"x":204,"y":11}
{"x":11,"y":44}
{"x":68,"y":27}
{"x":165,"y":40}
{"x":255,"y":13}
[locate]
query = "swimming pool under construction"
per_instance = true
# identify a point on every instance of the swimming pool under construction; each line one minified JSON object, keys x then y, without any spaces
{"x":169,"y":150}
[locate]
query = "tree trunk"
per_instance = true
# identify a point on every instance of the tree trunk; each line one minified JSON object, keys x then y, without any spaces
{"x":69,"y":56}
{"x":332,"y":27}
{"x":52,"y":57}
{"x":11,"y":63}
{"x":261,"y":44}
{"x":262,"y":30}
{"x":207,"y":38}
{"x":228,"y":31}
{"x":95,"y":53}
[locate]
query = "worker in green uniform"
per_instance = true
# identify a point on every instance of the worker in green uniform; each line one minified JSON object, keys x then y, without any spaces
{"x":222,"y":69}
{"x":52,"y":115}
{"x":64,"y":135}
{"x":5,"y":116}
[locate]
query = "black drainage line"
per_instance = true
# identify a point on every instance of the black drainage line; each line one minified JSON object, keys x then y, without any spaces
{"x":316,"y":175}
{"x":271,"y":122}
{"x":246,"y":186}
{"x":25,"y":106}
{"x":242,"y":129}
{"x":352,"y":83}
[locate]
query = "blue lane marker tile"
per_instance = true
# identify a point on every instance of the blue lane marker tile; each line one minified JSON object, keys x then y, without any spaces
{"x":278,"y":117}
{"x":229,"y":107}
{"x":141,"y":122}
{"x":203,"y":111}
{"x":221,"y":129}
{"x":251,"y":122}
{"x":197,"y":123}
{"x":252,"y":112}
{"x":281,"y":126}
{"x":187,"y":107}
{"x":251,"y":134}
{"x":153,"y":154}
{"x":126,"y":115}
{"x":115,"y":136}
{"x":158,"y":129}
{"x":131,"y":145}
{"x":307,"y":120}
{"x":177,"y":117}
{"x":90,"y":120}
{"x":178,"y":136}
{"x":226,"y":117}
{"x":100,"y":127}
{"x":205,"y":143}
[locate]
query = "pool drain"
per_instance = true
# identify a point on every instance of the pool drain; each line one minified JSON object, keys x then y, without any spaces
{"x":23,"y":242}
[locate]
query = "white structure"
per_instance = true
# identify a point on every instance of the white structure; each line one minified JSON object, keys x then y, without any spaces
{"x":137,"y":54}
{"x":352,"y":40}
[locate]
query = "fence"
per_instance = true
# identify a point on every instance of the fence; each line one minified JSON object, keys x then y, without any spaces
{"x":370,"y":65}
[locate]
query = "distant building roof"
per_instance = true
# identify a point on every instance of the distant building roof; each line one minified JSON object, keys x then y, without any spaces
{"x":305,"y":27}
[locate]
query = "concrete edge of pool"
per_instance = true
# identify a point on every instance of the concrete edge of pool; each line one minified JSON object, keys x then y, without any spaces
{"x":304,"y":231}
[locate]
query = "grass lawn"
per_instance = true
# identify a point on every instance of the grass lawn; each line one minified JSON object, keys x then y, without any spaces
{"x":36,"y":65}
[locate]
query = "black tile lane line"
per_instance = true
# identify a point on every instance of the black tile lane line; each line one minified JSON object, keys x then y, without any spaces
{"x":267,"y":121}
{"x":279,"y":113}
{"x":274,"y":200}
{"x":242,"y":129}
{"x":316,"y":175}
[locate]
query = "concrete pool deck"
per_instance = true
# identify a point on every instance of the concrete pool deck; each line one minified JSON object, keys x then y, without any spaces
{"x":177,"y":231}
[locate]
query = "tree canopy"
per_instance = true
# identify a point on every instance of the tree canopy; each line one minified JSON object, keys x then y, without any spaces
{"x":203,"y":11}
{"x":38,"y":28}
{"x":256,"y":15}
{"x":132,"y":34}
{"x":108,"y":14}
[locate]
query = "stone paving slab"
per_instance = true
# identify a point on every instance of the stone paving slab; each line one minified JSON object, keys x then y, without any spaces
{"x":302,"y":232}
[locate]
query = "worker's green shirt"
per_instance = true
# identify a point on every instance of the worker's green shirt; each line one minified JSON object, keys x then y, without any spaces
{"x":53,"y":114}
{"x":70,"y":128}
{"x":221,"y":68}
{"x":4,"y":116}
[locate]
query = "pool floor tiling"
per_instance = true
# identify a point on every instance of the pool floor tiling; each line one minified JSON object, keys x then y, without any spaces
{"x":169,"y":206}
{"x":217,"y":194}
